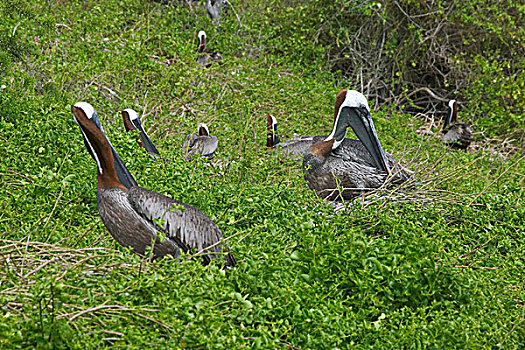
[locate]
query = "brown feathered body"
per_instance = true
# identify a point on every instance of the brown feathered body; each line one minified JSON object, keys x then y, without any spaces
{"x":348,"y":171}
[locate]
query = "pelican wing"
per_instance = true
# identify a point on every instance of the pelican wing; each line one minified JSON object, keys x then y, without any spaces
{"x":195,"y":144}
{"x":295,"y":148}
{"x":183,"y":223}
{"x":354,"y":151}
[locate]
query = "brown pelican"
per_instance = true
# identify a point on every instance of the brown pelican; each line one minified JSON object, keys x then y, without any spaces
{"x":355,"y":166}
{"x":132,"y":122}
{"x":456,"y":135}
{"x":131,"y":214}
{"x":294,"y":148}
{"x":200,"y":143}
{"x":209,"y":56}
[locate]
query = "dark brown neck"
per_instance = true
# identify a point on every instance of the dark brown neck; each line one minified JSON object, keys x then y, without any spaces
{"x":130,"y":126}
{"x":127,"y":121}
{"x":203,"y":132}
{"x":322,"y":148}
{"x":104,"y":181}
{"x":339,"y":101}
{"x":106,"y":174}
{"x":269,"y":140}
{"x":202,"y":44}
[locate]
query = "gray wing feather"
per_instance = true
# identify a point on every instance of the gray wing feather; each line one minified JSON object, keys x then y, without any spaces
{"x":128,"y":227}
{"x":458,"y":135}
{"x":354,"y":168}
{"x":295,"y":148}
{"x":204,"y":145}
{"x":182,"y":222}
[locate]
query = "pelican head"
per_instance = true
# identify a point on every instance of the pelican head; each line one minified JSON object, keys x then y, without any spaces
{"x":203,"y":129}
{"x":352,"y":110}
{"x":88,"y":110}
{"x":131,"y":119}
{"x":96,"y":140}
{"x":132,"y":122}
{"x":271,"y":126}
{"x":202,"y":41}
{"x":84,"y":111}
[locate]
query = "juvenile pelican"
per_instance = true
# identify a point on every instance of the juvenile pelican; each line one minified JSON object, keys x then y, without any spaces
{"x":355,"y":166}
{"x":208,"y":57}
{"x":456,"y":135}
{"x":130,"y":214}
{"x":132,"y":122}
{"x":200,"y":143}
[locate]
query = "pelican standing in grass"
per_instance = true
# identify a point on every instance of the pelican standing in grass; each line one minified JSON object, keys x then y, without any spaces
{"x":200,"y":143}
{"x":132,"y":122}
{"x":456,"y":135}
{"x":132,"y":215}
{"x":293,"y":148}
{"x":208,"y":57}
{"x":338,"y":168}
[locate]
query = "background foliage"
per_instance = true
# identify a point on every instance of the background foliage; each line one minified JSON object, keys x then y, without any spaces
{"x":396,"y":51}
{"x":436,"y":263}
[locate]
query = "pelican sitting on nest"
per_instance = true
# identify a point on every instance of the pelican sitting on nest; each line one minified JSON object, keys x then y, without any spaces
{"x":201,"y":143}
{"x":456,"y":135}
{"x":208,"y":57}
{"x":353,"y":166}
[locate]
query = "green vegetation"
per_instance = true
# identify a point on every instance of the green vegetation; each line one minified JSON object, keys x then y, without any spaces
{"x":436,"y":263}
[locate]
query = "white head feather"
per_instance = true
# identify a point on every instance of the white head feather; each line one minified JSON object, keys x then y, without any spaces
{"x":132,"y":114}
{"x":201,"y":34}
{"x":274,"y":121}
{"x":87,"y":108}
{"x":353,"y":99}
{"x":451,"y":103}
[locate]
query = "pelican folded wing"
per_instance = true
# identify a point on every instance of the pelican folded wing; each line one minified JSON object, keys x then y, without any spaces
{"x":183,"y":223}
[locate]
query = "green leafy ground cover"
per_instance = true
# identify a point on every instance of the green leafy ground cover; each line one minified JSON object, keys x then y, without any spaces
{"x":438,"y":262}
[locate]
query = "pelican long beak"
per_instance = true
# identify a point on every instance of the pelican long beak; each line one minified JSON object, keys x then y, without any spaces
{"x":123,"y":173}
{"x":146,"y":142}
{"x":363,"y":126}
